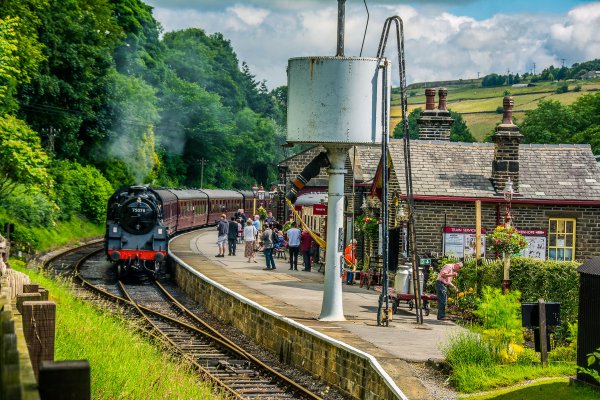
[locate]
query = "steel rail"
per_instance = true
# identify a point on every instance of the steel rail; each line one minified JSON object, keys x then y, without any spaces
{"x":212,"y":334}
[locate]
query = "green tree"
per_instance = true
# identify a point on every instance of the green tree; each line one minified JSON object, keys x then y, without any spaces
{"x":83,"y":190}
{"x":22,"y":160}
{"x":20,"y":50}
{"x":69,"y":93}
{"x":550,"y":122}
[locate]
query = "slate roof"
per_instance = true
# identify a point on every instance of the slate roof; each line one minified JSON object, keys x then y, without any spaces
{"x":454,"y":169}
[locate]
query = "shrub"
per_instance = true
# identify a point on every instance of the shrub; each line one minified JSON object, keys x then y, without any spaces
{"x":562,"y":89}
{"x":467,"y":348}
{"x":81,"y":190}
{"x":30,"y":206}
{"x":501,"y":317}
{"x":528,"y":357}
{"x":551,"y":280}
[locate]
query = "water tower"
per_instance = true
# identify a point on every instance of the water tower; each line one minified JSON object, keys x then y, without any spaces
{"x":337,"y":102}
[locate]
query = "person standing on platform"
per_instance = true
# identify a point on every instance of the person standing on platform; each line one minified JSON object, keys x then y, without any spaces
{"x":250,"y":240}
{"x":306,"y":244}
{"x":350,"y":257}
{"x":222,"y":230}
{"x":267,"y":243}
{"x":444,"y":280}
{"x":232,"y":236}
{"x":270,"y":219}
{"x":293,"y":235}
{"x":256,"y":224}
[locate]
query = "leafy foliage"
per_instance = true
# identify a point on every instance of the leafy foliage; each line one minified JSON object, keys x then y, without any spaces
{"x":22,"y":159}
{"x":506,"y":241}
{"x":551,"y":280}
{"x":369,"y":226}
{"x":552,"y":122}
{"x":501,"y":318}
{"x":593,"y":362}
{"x":84,"y":190}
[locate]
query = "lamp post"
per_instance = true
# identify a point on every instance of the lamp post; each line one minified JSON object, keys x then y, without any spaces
{"x":261,"y":198}
{"x":254,"y":191}
{"x":508,"y":195}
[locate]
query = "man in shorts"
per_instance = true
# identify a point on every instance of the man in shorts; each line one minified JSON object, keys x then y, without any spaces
{"x":222,"y":230}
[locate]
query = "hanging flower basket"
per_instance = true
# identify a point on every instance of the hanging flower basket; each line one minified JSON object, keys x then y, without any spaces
{"x":506,"y":241}
{"x":368,"y":225}
{"x":262,"y":213}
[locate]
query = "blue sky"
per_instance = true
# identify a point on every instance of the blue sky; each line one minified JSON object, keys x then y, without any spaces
{"x":443,"y":39}
{"x":485,"y":9}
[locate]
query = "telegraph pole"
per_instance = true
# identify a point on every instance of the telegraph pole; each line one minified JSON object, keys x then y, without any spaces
{"x":203,"y":161}
{"x":534,"y":68}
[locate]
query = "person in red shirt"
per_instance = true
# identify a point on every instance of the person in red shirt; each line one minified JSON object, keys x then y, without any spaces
{"x":306,"y":243}
{"x":444,"y":280}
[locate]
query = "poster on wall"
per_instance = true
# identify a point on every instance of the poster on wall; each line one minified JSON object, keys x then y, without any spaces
{"x":536,"y":243}
{"x":460,"y":242}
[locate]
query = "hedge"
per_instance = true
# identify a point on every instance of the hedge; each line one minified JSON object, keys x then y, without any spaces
{"x":554,"y":281}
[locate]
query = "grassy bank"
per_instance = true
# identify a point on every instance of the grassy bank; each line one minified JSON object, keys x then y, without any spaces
{"x":43,"y":238}
{"x":555,"y":389}
{"x":124,"y":364}
{"x":475,"y":378}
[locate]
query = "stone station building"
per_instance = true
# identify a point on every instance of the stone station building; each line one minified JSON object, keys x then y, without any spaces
{"x":556,"y":200}
{"x":555,"y":205}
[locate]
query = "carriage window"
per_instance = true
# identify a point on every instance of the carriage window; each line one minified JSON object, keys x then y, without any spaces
{"x":561,"y":239}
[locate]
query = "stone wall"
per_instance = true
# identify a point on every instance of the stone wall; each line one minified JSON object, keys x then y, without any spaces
{"x":356,"y":374}
{"x":432,"y":216}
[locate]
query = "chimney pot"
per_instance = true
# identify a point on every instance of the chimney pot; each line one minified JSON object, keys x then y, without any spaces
{"x":508,"y":104}
{"x":442,"y":93}
{"x":430,"y":99}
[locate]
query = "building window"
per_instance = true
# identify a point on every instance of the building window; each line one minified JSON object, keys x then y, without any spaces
{"x":561,"y":239}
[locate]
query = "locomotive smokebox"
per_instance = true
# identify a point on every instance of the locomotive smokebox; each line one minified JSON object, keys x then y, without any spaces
{"x":336,"y":100}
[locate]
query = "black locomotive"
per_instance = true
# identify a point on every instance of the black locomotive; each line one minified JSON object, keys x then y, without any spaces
{"x":140,"y":220}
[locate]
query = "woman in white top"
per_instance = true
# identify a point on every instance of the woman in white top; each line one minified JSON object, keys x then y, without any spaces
{"x":249,"y":238}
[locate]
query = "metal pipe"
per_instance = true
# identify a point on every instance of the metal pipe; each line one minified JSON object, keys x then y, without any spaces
{"x":332,"y":308}
{"x":340,"y":28}
{"x":310,"y":171}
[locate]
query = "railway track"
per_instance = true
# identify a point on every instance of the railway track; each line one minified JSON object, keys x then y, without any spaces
{"x":234,"y":371}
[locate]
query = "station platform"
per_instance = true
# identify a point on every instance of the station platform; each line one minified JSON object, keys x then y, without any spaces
{"x":298,"y":295}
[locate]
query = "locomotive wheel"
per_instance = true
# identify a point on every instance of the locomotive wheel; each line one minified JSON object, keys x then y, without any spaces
{"x":121,"y":271}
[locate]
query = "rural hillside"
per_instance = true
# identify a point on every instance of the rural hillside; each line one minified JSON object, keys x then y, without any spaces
{"x":479,"y":106}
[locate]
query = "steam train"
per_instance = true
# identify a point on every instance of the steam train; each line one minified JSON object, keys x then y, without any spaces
{"x":140,"y":221}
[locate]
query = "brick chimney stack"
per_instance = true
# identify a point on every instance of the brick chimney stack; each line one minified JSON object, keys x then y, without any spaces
{"x":435,"y":123}
{"x":506,"y":152}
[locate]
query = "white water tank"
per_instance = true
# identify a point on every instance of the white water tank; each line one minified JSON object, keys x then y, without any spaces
{"x":336,"y":99}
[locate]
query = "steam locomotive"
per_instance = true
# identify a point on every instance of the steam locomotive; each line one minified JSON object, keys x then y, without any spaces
{"x":140,"y":221}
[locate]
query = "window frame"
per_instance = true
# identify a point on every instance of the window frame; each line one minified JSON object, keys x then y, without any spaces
{"x":557,"y":235}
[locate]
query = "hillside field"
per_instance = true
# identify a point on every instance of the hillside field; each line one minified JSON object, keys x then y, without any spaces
{"x":478,"y":104}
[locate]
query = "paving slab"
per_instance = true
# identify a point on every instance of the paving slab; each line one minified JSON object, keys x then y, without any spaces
{"x":298,"y":295}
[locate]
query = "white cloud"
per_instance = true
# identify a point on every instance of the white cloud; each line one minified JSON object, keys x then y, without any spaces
{"x":438,"y":45}
{"x":250,"y":15}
